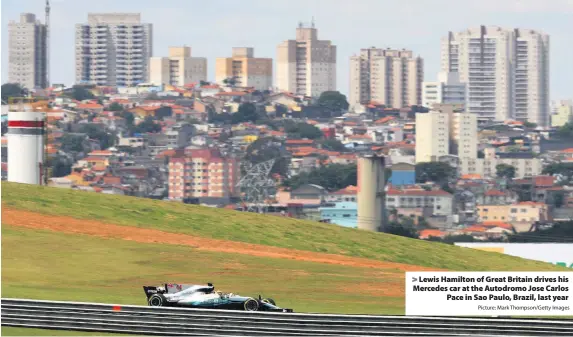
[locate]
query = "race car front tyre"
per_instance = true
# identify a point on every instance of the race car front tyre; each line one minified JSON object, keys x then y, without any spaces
{"x":270,"y":300}
{"x":251,"y":305}
{"x":157,"y":300}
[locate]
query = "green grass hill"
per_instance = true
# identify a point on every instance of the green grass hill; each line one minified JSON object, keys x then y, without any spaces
{"x":42,"y":264}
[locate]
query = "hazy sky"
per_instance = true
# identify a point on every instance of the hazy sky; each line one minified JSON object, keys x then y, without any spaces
{"x":213,"y":27}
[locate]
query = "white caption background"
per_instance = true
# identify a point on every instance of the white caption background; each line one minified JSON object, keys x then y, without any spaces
{"x":509,"y":293}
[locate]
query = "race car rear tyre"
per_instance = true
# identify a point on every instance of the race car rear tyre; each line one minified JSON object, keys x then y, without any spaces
{"x":270,"y":300}
{"x":157,"y":300}
{"x":251,"y":305}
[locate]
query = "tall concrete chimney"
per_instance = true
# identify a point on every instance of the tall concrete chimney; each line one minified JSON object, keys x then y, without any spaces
{"x":371,"y":195}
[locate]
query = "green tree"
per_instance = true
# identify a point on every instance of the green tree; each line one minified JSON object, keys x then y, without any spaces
{"x":280,"y":110}
{"x":451,"y":239}
{"x":564,"y":169}
{"x":115,"y":107}
{"x":129,"y":119}
{"x":505,"y":171}
{"x":231,"y":81}
{"x":80,"y":93}
{"x":60,"y":166}
{"x":565,"y":131}
{"x":422,"y":222}
{"x":556,"y":199}
{"x":332,"y":177}
{"x":333,"y":145}
{"x":106,"y":139}
{"x":405,"y":227}
{"x":446,"y":187}
{"x":302,"y":130}
{"x":224,"y":136}
{"x":333,"y":100}
{"x":72,"y":143}
{"x":387,"y":174}
{"x":524,"y":191}
{"x":529,"y":125}
{"x":247,"y":113}
{"x":12,"y":90}
{"x":147,"y":126}
{"x":268,"y":148}
{"x":213,"y":117}
{"x":437,"y":172}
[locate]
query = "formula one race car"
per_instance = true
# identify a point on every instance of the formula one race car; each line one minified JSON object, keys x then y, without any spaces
{"x":205,"y":297}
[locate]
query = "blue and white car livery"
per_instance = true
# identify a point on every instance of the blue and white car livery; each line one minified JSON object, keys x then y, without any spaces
{"x":201,"y":296}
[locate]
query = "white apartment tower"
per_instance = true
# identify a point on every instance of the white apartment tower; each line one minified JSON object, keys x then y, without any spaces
{"x":113,"y":49}
{"x":506,"y":70}
{"x":27,"y":61}
{"x":447,"y":129}
{"x":532,"y":100}
{"x":307,"y":65}
{"x":448,"y":90}
{"x":432,"y":136}
{"x":386,"y":76}
{"x":177,"y":69}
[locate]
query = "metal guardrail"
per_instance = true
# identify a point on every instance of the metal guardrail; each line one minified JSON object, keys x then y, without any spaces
{"x":143,"y":320}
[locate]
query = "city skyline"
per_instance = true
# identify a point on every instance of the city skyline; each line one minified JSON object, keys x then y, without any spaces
{"x":212,"y":31}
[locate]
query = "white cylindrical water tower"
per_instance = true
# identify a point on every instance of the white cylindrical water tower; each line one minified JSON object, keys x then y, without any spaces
{"x":371,"y":193}
{"x":26,"y":145}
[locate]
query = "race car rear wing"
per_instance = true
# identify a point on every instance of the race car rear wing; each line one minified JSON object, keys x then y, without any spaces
{"x":150,"y":290}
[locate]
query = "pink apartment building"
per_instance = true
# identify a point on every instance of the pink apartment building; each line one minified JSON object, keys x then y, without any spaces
{"x":203,"y":174}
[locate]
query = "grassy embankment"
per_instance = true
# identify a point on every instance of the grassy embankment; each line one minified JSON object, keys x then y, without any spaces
{"x":44,"y":264}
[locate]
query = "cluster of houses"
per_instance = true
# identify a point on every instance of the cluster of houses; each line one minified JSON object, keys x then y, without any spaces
{"x":165,"y":146}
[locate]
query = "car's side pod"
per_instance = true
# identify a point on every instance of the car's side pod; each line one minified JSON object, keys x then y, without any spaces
{"x":149,"y":290}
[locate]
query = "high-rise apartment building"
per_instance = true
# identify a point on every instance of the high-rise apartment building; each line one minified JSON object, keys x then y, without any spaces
{"x":205,"y":174}
{"x":448,"y":90}
{"x":306,"y":65}
{"x":506,"y":70}
{"x":27,"y":58}
{"x":177,"y":69}
{"x":246,"y":69}
{"x":432,"y":136}
{"x":532,"y":98}
{"x":386,"y":76}
{"x":113,"y":49}
{"x":447,"y":129}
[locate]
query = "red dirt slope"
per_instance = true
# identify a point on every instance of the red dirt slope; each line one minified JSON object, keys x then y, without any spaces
{"x":71,"y":225}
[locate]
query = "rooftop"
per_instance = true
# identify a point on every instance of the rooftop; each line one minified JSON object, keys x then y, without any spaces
{"x":417,"y":192}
